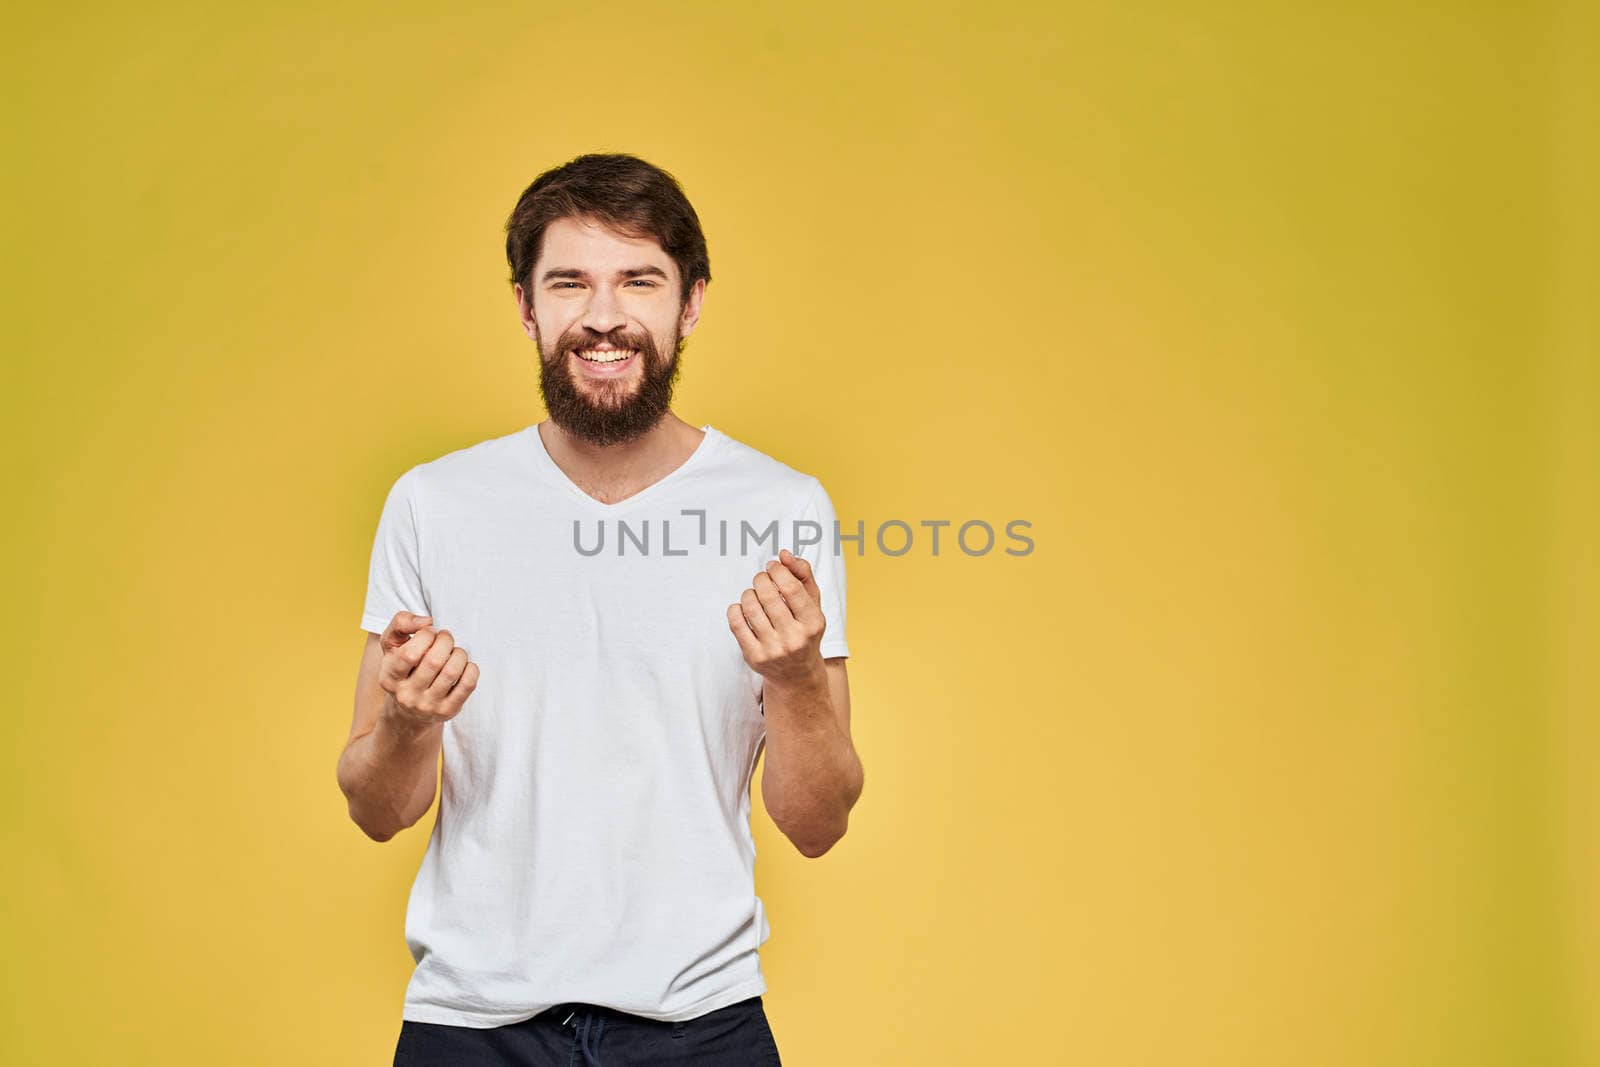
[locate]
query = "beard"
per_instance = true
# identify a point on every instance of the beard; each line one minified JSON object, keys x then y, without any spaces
{"x":607,"y":412}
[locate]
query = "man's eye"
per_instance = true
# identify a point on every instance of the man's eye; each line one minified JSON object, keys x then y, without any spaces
{"x":643,"y":282}
{"x":559,"y":285}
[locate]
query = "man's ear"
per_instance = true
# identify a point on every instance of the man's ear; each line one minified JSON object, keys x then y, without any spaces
{"x":524,"y":310}
{"x":691,"y":308}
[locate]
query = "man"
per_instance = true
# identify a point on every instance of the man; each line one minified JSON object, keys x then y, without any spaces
{"x":591,"y":620}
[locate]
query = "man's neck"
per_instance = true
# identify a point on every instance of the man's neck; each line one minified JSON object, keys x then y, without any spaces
{"x":612,"y":473}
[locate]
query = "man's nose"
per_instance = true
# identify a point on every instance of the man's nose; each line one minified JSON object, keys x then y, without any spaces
{"x":603,"y":314}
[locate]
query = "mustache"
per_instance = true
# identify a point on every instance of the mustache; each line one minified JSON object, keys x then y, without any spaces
{"x":615,"y":340}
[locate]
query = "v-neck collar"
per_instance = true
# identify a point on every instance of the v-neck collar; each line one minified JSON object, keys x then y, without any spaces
{"x":544,"y":460}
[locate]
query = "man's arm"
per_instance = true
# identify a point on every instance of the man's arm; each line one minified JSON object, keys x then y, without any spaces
{"x":813,"y":775}
{"x":405,"y":692}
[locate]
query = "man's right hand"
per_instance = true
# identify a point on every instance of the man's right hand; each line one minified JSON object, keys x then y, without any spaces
{"x":426,"y":676}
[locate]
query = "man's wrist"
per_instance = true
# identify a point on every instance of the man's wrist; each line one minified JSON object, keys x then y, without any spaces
{"x":400,"y":730}
{"x":808,"y":681}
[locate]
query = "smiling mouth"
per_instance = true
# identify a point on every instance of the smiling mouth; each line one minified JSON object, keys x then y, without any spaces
{"x":605,"y":355}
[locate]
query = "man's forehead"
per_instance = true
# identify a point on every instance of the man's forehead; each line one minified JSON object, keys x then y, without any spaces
{"x":569,"y":236}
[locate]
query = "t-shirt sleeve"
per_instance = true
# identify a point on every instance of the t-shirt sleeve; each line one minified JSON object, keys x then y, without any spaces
{"x":394,"y":577}
{"x":827,"y":566}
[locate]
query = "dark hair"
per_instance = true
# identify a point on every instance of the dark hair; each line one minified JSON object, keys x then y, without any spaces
{"x":625,"y":193}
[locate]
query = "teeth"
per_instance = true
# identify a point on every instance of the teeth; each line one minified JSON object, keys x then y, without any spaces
{"x":595,"y":355}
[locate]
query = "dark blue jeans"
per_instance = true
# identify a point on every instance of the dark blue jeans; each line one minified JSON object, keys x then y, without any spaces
{"x":585,"y":1035}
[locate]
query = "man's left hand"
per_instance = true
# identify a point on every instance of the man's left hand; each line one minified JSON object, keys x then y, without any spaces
{"x":779,"y":622}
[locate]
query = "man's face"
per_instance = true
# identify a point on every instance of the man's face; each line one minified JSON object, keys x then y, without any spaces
{"x":605,"y":316}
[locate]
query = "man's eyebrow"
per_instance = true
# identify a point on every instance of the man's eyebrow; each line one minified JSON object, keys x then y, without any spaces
{"x":573,"y":272}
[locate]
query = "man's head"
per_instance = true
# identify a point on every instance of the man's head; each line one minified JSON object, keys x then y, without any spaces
{"x":606,"y":258}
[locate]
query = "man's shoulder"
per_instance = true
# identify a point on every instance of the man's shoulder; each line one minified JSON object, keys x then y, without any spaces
{"x":486,"y":458}
{"x":761,"y":471}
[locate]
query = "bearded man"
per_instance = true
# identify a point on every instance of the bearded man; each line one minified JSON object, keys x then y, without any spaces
{"x":588,"y":888}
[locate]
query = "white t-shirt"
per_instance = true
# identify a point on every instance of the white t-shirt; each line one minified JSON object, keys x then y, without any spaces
{"x":593,"y":841}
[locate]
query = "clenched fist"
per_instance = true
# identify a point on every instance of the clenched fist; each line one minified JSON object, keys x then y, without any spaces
{"x":426,"y":675}
{"x":778,"y":620}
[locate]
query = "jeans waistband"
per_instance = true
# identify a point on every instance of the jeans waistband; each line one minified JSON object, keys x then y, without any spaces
{"x":589,"y":1020}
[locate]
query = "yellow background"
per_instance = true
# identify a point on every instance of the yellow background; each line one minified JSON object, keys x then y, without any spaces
{"x":1275,"y":320}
